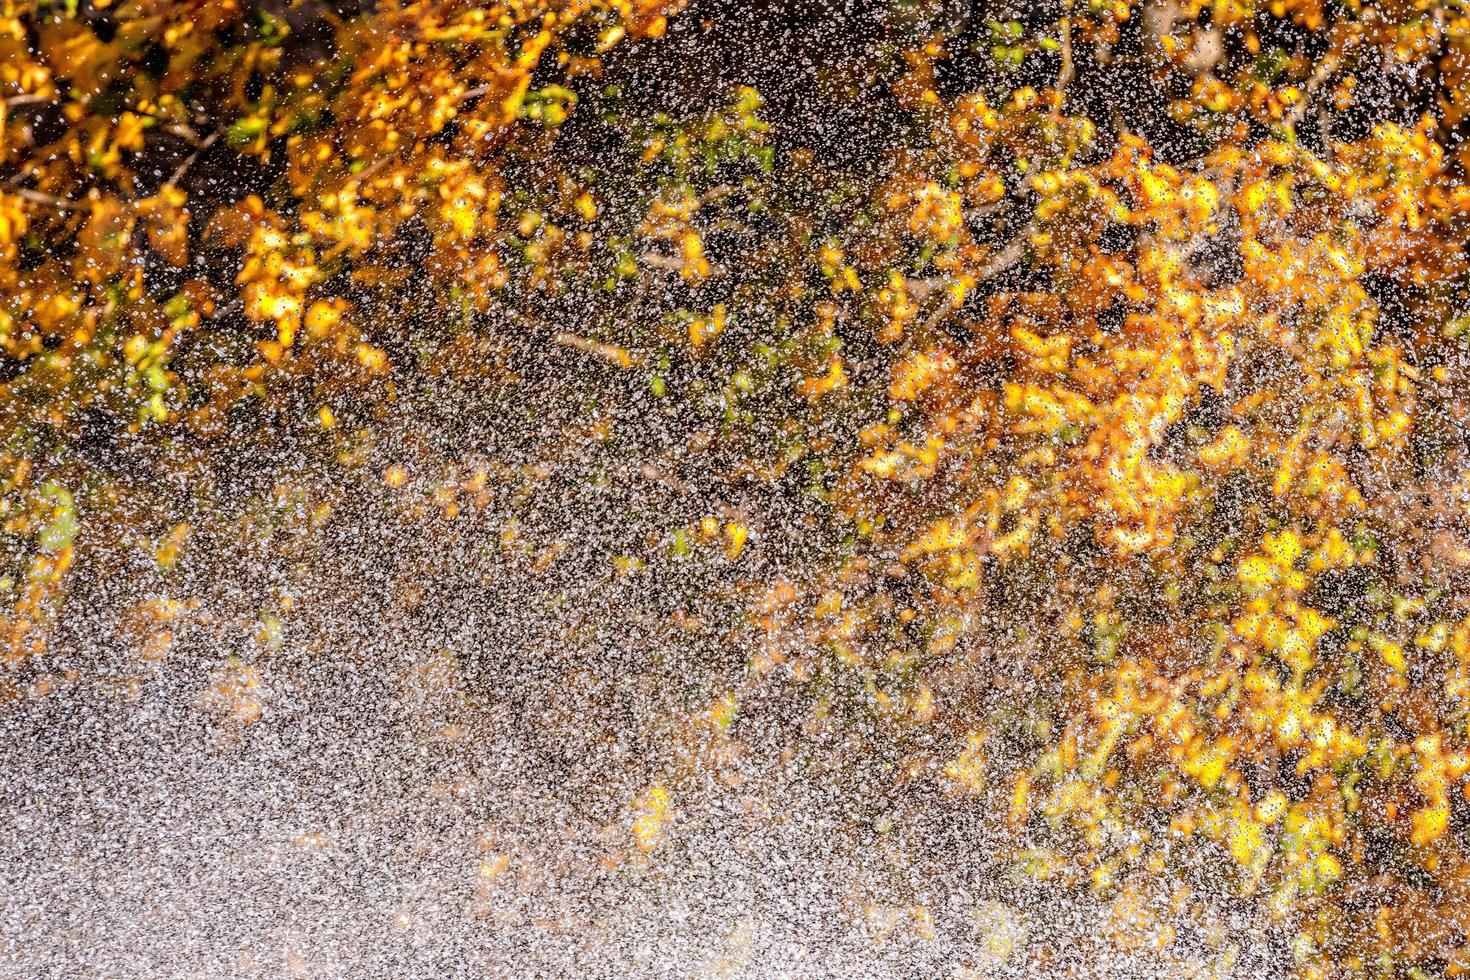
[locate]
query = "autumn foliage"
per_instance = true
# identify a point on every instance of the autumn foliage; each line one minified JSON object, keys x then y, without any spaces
{"x":1109,"y":371}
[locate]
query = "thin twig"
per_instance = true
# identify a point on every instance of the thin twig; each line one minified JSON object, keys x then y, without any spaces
{"x":1187,"y":251}
{"x":673,"y":263}
{"x":183,"y":168}
{"x":716,"y":193}
{"x":30,"y":98}
{"x":185,"y":132}
{"x":655,"y":475}
{"x":1003,"y":260}
{"x":1068,"y":70}
{"x":1325,"y":68}
{"x":586,"y":345}
{"x":1008,"y":256}
{"x":362,"y":175}
{"x":471,"y":93}
{"x":654,"y":260}
{"x":921,"y":289}
{"x":49,"y":200}
{"x":978,"y":214}
{"x":664,"y":478}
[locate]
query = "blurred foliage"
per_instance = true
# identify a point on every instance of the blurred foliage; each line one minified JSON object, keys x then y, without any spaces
{"x":1104,"y":411}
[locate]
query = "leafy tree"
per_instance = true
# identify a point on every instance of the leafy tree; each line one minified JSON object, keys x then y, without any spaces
{"x":1091,"y":406}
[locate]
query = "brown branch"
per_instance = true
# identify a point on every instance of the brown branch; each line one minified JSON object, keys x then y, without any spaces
{"x":655,"y":475}
{"x":362,"y":175}
{"x":30,"y":98}
{"x":716,"y":193}
{"x":188,"y":162}
{"x":49,"y":200}
{"x":471,"y":93}
{"x":185,"y":132}
{"x":654,"y":260}
{"x":673,"y":263}
{"x":586,"y":345}
{"x":1006,"y":258}
{"x":921,"y":289}
{"x":24,"y":173}
{"x":1325,"y":68}
{"x":1226,"y":218}
{"x":978,"y":214}
{"x":1068,"y":70}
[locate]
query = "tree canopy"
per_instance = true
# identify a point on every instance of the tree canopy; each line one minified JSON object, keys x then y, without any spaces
{"x":1070,"y":396}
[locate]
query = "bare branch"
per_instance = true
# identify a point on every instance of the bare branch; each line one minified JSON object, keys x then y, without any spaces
{"x":1001,"y":261}
{"x":716,"y":193}
{"x":1068,"y":70}
{"x":1325,"y":68}
{"x":673,"y":263}
{"x":185,"y":132}
{"x":30,"y":98}
{"x":663,"y":476}
{"x":1008,"y":256}
{"x":362,"y":175}
{"x":656,"y":261}
{"x":984,"y":211}
{"x":921,"y":289}
{"x":471,"y":93}
{"x":188,"y":162}
{"x":608,"y":352}
{"x":48,"y":200}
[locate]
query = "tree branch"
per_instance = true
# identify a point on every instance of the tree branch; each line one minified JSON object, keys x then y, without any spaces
{"x":1006,"y":258}
{"x":586,"y":345}
{"x":471,"y":93}
{"x":188,"y":162}
{"x":1068,"y":70}
{"x":49,"y":200}
{"x":1325,"y":68}
{"x":30,"y":98}
{"x":673,"y":263}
